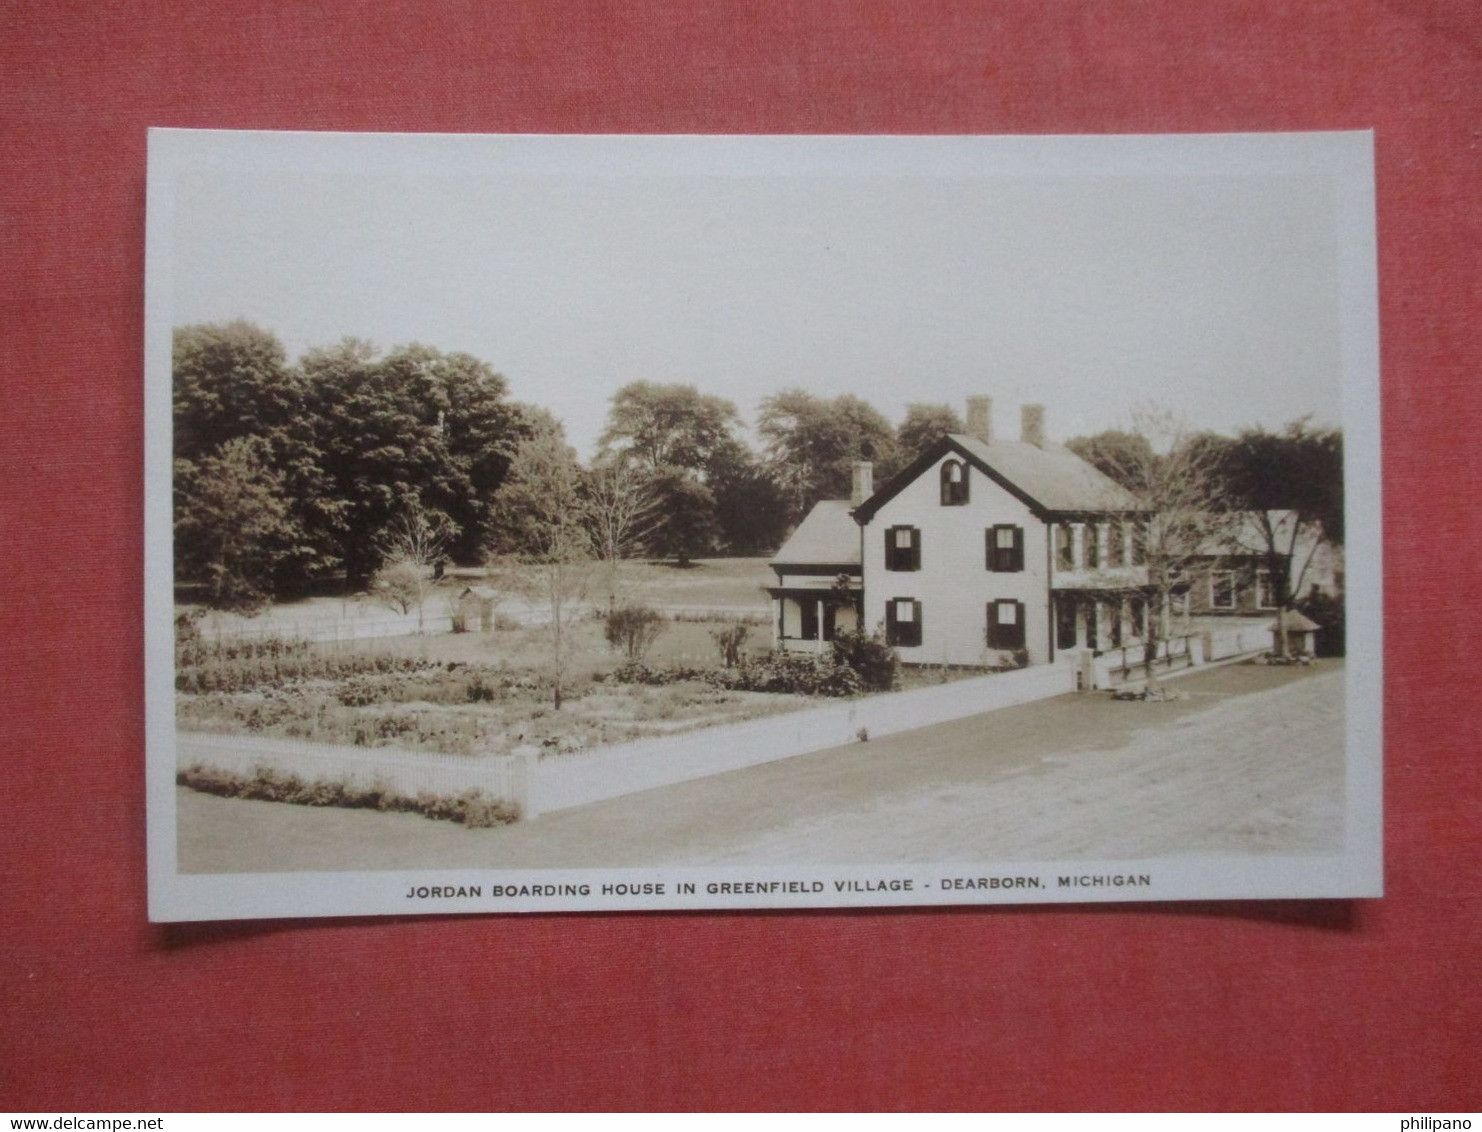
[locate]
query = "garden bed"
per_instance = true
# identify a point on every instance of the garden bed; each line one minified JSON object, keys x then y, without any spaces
{"x":456,"y":693}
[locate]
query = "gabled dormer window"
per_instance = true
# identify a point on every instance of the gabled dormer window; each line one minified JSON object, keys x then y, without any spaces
{"x":954,"y":483}
{"x":1005,"y":548}
{"x":902,"y":548}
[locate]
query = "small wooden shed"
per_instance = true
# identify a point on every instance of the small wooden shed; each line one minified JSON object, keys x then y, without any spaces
{"x":476,"y":608}
{"x":1301,"y":633}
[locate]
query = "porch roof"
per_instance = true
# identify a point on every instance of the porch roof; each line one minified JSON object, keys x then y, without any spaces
{"x":828,"y":535}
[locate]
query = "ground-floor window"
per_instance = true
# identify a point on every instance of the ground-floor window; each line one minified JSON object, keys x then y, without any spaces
{"x":1139,"y":612}
{"x":903,"y":622}
{"x":1114,"y":623}
{"x":1222,"y":589}
{"x":1005,"y":624}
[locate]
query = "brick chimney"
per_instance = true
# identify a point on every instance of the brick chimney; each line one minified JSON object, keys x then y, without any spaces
{"x":864,"y":482}
{"x":1032,"y":425}
{"x":980,"y":418}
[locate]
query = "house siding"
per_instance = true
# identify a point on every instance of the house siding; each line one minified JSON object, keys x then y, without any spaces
{"x":954,"y":584}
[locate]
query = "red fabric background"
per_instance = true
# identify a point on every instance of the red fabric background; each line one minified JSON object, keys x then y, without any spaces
{"x":1229,"y":1005}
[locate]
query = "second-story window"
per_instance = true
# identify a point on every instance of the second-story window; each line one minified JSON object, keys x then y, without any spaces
{"x":1092,"y":542}
{"x":1139,"y":544}
{"x":1005,"y":548}
{"x":1064,"y":547}
{"x":954,"y":483}
{"x":902,"y":548}
{"x":1265,"y":589}
{"x":1116,"y":544}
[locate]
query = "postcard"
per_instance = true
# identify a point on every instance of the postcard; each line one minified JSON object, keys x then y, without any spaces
{"x":597,"y":523}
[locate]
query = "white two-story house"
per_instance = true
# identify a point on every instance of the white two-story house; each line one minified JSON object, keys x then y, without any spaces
{"x":981,"y":552}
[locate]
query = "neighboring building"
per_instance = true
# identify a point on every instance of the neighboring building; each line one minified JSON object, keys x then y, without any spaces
{"x":475,"y":608}
{"x":981,"y":552}
{"x":1301,"y":633}
{"x":1232,"y":576}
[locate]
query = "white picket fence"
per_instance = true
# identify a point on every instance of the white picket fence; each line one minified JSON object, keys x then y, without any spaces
{"x":565,"y":781}
{"x":539,"y":784}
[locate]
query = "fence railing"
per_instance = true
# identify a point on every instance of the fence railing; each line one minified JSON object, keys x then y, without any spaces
{"x":628,"y":768}
{"x":538,"y":784}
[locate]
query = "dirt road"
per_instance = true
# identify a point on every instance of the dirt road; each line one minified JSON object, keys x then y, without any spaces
{"x":1251,"y":762}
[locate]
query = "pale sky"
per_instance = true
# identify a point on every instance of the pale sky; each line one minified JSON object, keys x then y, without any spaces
{"x":1093,"y":292}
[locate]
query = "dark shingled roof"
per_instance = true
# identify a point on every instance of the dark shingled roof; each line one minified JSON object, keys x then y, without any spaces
{"x":828,"y":536}
{"x":1048,"y":480}
{"x":1054,"y":477}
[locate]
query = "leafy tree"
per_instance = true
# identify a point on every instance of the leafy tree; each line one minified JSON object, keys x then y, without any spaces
{"x":543,"y":541}
{"x":1177,"y":484}
{"x":231,"y":380}
{"x":667,"y":426}
{"x":687,"y":529}
{"x":413,"y":548}
{"x":811,"y":444}
{"x":623,"y":510}
{"x":1126,"y":457}
{"x":232,"y":524}
{"x":750,"y":507}
{"x":924,"y":426}
{"x":415,"y":429}
{"x":1291,"y":483}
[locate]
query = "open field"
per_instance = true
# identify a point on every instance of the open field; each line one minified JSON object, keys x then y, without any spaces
{"x":729,"y":586}
{"x":1251,"y":762}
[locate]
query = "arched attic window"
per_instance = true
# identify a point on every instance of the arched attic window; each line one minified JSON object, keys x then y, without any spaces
{"x":954,"y":483}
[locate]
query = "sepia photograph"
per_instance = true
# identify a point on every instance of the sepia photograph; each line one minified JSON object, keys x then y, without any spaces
{"x":596,"y":523}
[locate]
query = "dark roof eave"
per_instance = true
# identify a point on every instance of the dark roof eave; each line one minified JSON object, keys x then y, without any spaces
{"x":907,"y":475}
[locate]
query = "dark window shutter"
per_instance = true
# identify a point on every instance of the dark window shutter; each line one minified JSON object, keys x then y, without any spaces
{"x":1005,"y":548}
{"x":1005,"y":624}
{"x":902,"y":548}
{"x":906,"y":634}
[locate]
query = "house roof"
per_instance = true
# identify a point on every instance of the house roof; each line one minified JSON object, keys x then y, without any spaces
{"x":827,"y":535}
{"x":483,"y":592}
{"x":1046,"y":479}
{"x":1244,"y":532}
{"x":1295,"y":621}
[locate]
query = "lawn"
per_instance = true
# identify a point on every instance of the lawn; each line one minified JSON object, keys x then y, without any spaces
{"x":727,"y":586}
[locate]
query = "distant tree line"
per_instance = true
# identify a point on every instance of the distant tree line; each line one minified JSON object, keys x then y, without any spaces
{"x":348,"y":460}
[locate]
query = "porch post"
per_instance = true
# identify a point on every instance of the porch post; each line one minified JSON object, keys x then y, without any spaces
{"x":818,"y":647}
